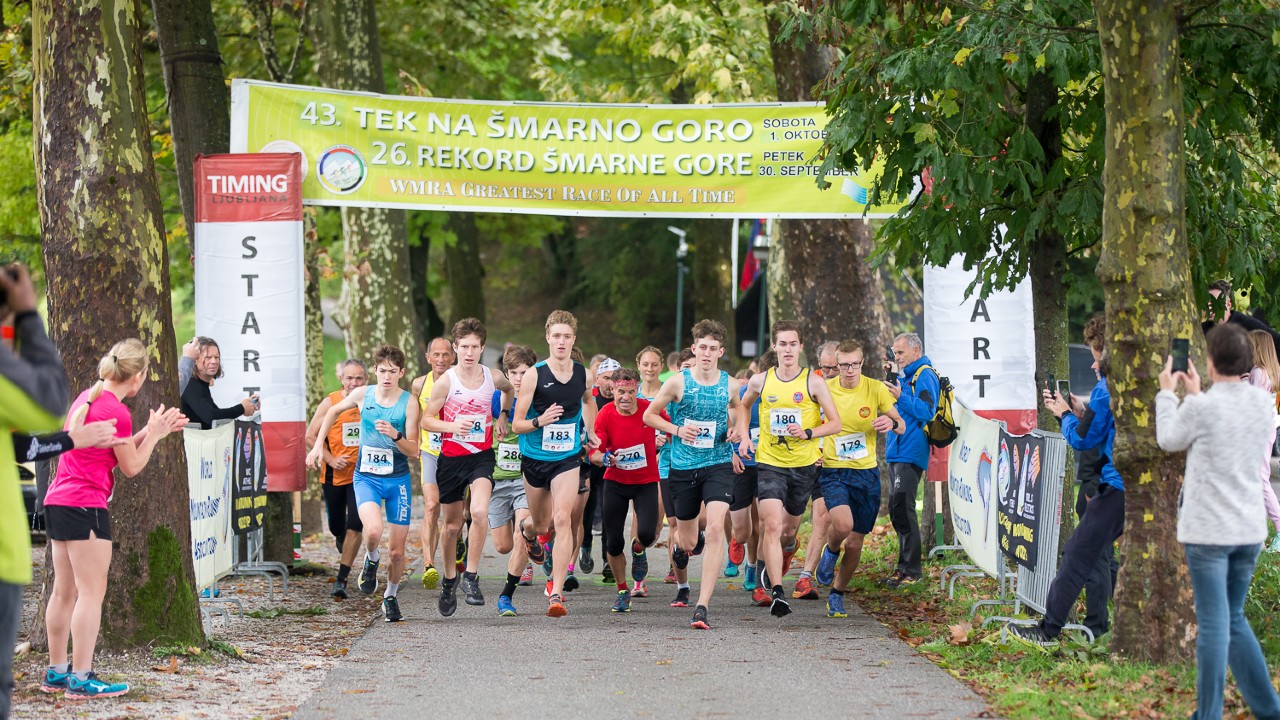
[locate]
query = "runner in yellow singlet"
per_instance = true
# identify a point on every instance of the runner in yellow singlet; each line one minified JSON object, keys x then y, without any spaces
{"x":440,"y":358}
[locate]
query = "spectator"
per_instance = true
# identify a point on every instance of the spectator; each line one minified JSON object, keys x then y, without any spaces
{"x":197,"y":399}
{"x":1219,"y":311}
{"x":33,"y":396}
{"x":673,"y":365}
{"x":1225,"y":431}
{"x":187,"y":363}
{"x":1085,"y":427}
{"x":908,"y":454}
{"x":1265,"y":375}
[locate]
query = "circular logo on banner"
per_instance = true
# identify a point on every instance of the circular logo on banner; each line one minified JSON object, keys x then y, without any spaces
{"x":798,"y":397}
{"x":286,"y":146}
{"x":864,"y":412}
{"x":341,"y":169}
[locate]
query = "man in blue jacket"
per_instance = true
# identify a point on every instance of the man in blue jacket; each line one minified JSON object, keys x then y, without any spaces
{"x":915,"y":385}
{"x":1085,"y":426}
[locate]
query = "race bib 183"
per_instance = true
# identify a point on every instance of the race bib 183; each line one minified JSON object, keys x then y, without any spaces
{"x":558,"y":438}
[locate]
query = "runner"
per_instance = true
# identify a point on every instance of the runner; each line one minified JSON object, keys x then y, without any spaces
{"x":388,"y":435}
{"x":555,"y":418}
{"x":341,"y":449}
{"x":628,"y":452}
{"x":509,"y":507}
{"x":649,"y":363}
{"x":744,"y":516}
{"x":675,"y":576}
{"x":850,"y":475}
{"x":706,"y":422}
{"x":804,"y":585}
{"x":602,"y":393}
{"x":791,"y":421}
{"x":440,"y":358}
{"x":460,"y":407}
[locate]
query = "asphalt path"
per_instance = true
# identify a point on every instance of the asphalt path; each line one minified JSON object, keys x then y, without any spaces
{"x":646,"y":663}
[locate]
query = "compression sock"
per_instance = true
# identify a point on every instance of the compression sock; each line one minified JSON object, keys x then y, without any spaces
{"x":344,"y":571}
{"x":509,"y":589}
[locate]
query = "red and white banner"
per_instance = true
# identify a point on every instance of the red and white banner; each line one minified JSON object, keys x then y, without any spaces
{"x":249,"y":295}
{"x":986,"y":346}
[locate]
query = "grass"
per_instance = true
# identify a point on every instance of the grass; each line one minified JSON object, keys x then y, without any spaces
{"x":1074,"y":681}
{"x":276,"y":612}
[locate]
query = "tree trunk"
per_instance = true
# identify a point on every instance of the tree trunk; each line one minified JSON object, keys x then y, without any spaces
{"x":377,"y":292}
{"x":466,"y":273}
{"x":928,"y":524}
{"x":199,"y":103}
{"x":1145,"y":276}
{"x":419,"y":270}
{"x":108,"y":275}
{"x":565,"y":268}
{"x":711,"y":276}
{"x":316,"y":371}
{"x":827,"y":259}
{"x":1048,"y":291}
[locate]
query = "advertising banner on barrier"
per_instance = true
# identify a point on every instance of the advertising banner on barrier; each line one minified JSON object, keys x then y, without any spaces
{"x":971,"y":487}
{"x":370,"y":150}
{"x":249,"y":486}
{"x":1019,"y":470}
{"x":209,"y":468}
{"x":249,"y":295}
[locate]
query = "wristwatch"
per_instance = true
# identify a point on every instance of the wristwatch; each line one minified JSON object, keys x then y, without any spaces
{"x":895,"y":423}
{"x":535,"y":423}
{"x":808,"y":433}
{"x":399,"y":436}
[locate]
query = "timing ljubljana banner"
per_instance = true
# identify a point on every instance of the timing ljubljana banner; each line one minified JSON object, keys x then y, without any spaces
{"x":209,"y":481}
{"x":1019,"y":471}
{"x":971,"y":472}
{"x":249,"y":295}
{"x":370,"y":150}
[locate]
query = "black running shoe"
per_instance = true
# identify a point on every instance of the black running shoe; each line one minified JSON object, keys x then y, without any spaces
{"x":448,"y":603}
{"x":606,"y":576}
{"x":639,"y":562}
{"x":682,"y":598}
{"x":779,"y":608}
{"x":1032,"y":635}
{"x":570,"y":583}
{"x":702,"y":542}
{"x":586,"y":563}
{"x":537,"y":553}
{"x":391,"y":609}
{"x":369,"y":576}
{"x":680,"y":558}
{"x":471,"y":587}
{"x":339,"y":589}
{"x":699,"y":621}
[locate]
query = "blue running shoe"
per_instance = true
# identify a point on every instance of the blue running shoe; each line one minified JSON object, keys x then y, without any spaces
{"x":639,"y":563}
{"x":750,"y":583}
{"x":505,"y":608}
{"x":826,"y":571}
{"x":623,"y":603}
{"x":835,"y":606}
{"x":54,"y":681}
{"x":730,"y":570}
{"x":92,"y":687}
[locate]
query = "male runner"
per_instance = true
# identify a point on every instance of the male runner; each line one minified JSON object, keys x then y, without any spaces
{"x":460,"y":408}
{"x":388,"y":435}
{"x":649,"y":364}
{"x":602,"y":393}
{"x":508,"y":507}
{"x":341,"y":452}
{"x":705,"y":423}
{"x":850,"y":475}
{"x":440,"y":358}
{"x":793,"y":404}
{"x":555,"y":417}
{"x":629,"y":454}
{"x":804,"y":585}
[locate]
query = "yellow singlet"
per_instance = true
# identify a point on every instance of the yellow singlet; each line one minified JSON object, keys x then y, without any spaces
{"x":855,"y":445}
{"x":428,"y":442}
{"x":783,"y":403}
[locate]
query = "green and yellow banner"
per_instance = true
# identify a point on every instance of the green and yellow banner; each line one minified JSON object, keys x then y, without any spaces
{"x":371,"y":150}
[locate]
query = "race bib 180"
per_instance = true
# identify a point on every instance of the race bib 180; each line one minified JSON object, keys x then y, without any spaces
{"x":780,"y":419}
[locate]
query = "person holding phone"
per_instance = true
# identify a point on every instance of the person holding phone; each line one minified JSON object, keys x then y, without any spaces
{"x":197,"y":397}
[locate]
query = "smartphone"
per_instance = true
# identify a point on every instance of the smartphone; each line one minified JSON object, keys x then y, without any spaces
{"x":1181,"y":350}
{"x":1064,"y":390}
{"x":1051,"y":384}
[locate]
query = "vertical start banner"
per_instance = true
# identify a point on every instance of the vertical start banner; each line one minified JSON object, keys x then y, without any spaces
{"x":249,"y":295}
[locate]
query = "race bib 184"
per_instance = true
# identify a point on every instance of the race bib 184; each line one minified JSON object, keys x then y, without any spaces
{"x":375,"y":461}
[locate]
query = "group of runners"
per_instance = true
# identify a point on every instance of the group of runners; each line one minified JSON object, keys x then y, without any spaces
{"x":510,"y":451}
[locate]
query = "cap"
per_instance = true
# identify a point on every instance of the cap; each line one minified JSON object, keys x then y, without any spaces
{"x":608,"y":365}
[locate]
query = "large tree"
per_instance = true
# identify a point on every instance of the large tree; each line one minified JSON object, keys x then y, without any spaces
{"x":1146,"y":275}
{"x":108,"y":279}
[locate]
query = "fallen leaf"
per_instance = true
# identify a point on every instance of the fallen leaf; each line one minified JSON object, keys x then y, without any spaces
{"x":960,"y":634}
{"x":664,"y":662}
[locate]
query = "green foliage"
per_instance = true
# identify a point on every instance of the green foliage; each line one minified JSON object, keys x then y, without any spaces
{"x":164,"y":608}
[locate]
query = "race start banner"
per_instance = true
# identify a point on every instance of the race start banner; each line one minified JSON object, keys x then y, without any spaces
{"x":249,"y":484}
{"x":971,"y":487}
{"x":716,"y":161}
{"x":249,"y":295}
{"x":1020,"y":468}
{"x":209,"y":469}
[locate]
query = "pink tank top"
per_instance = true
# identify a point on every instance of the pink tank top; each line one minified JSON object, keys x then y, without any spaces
{"x":474,"y":406}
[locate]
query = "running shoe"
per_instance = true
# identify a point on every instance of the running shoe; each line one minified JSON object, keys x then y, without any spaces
{"x":804,"y":590}
{"x":93,"y":687}
{"x":369,"y":576}
{"x":570,"y":582}
{"x":825,"y":573}
{"x":682,"y":598}
{"x":556,"y":608}
{"x":737,"y":552}
{"x":699,"y":621}
{"x":750,"y":583}
{"x":779,"y":608}
{"x":670,"y":579}
{"x":891,"y":580}
{"x":339,"y":591}
{"x":730,"y":570}
{"x":585,"y":562}
{"x":526,"y":577}
{"x":760,"y":597}
{"x":786,"y":557}
{"x":505,"y":608}
{"x":639,"y":589}
{"x":680,"y":558}
{"x":1274,"y":546}
{"x":903,"y":581}
{"x":430,"y":577}
{"x":623,"y":603}
{"x":471,"y":588}
{"x":537,"y":554}
{"x":546,"y":562}
{"x":1032,"y":635}
{"x":763,"y":573}
{"x":606,"y":576}
{"x":460,"y":552}
{"x":391,"y":609}
{"x":547,"y":590}
{"x":448,"y":603}
{"x":702,"y":542}
{"x":54,"y":681}
{"x":835,"y":606}
{"x":639,"y":562}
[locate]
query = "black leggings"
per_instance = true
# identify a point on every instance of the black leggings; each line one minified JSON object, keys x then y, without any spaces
{"x":617,"y":500}
{"x":344,"y":515}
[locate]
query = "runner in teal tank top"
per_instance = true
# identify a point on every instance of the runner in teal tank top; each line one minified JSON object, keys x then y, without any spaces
{"x":704,"y":407}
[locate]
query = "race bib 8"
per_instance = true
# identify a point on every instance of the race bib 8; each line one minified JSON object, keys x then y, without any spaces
{"x":351,"y":434}
{"x":706,"y":434}
{"x":558,"y":438}
{"x":375,"y":461}
{"x":509,"y":457}
{"x":780,"y":419}
{"x":632,"y":458}
{"x":852,"y":446}
{"x":475,"y":429}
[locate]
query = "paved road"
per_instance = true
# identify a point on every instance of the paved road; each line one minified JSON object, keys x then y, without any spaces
{"x":647,"y":663}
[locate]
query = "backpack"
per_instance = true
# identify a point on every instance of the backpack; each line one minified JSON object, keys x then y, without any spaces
{"x":941,"y":429}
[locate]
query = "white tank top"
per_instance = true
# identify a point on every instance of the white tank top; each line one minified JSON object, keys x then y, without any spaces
{"x":472,"y":405}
